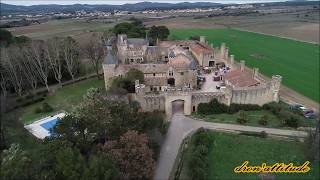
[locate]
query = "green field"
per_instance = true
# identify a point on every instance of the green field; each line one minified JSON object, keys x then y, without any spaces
{"x":297,"y":62}
{"x":63,"y":100}
{"x":224,"y":157}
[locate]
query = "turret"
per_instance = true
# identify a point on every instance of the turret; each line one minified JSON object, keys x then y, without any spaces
{"x":242,"y":65}
{"x":202,"y":39}
{"x":255,"y":72}
{"x":275,"y":85}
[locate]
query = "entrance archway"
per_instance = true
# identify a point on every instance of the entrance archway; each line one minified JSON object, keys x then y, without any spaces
{"x":178,"y":104}
{"x":177,"y":107}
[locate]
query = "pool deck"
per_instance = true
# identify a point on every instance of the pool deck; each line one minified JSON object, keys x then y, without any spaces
{"x":37,"y":130}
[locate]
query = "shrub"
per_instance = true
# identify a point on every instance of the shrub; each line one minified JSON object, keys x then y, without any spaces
{"x":263,"y":134}
{"x":233,"y":108}
{"x":243,"y":117}
{"x":292,"y":121}
{"x":46,"y":107}
{"x":273,"y":107}
{"x":38,"y":110}
{"x":263,"y":120}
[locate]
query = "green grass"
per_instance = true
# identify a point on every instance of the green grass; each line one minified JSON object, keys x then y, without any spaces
{"x":63,"y":100}
{"x":253,"y":119}
{"x":230,"y":150}
{"x":297,"y":62}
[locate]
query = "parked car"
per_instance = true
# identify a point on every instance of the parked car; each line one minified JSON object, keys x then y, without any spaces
{"x":295,"y":106}
{"x":308,"y":111}
{"x":311,"y":115}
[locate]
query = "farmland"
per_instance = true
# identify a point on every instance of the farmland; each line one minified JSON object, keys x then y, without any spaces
{"x":297,"y":62}
{"x":77,"y":28}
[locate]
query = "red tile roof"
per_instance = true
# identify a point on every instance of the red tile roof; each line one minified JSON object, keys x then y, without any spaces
{"x":240,"y":78}
{"x":200,"y":47}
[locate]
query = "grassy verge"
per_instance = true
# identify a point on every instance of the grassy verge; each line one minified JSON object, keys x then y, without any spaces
{"x":253,"y":119}
{"x":224,"y":157}
{"x":63,"y":100}
{"x":297,"y":62}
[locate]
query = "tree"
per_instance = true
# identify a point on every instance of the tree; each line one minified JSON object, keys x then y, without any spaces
{"x":30,"y":74}
{"x":53,"y":53}
{"x":133,"y":155}
{"x":133,"y":30}
{"x":69,"y":164}
{"x":71,"y":55}
{"x":36,"y":55}
{"x":128,"y":82}
{"x":5,"y":37}
{"x":101,"y":167}
{"x":243,"y":117}
{"x":95,"y":51}
{"x":159,"y":32}
{"x":10,"y":61}
{"x":263,"y":120}
{"x":15,"y":164}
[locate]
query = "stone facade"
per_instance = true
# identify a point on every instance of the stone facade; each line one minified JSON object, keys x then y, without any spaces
{"x":171,"y":69}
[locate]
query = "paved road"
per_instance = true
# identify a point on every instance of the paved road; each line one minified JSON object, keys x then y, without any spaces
{"x":181,"y":126}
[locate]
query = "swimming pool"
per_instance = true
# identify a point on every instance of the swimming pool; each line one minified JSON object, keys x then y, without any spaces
{"x":42,"y":128}
{"x":50,"y":124}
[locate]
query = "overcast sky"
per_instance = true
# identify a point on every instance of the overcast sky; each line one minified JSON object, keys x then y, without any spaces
{"x":33,"y":2}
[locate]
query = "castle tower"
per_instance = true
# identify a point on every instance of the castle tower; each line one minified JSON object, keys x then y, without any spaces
{"x":242,"y":65}
{"x":222,"y":50}
{"x":275,"y":85}
{"x":232,"y":60}
{"x":255,"y":72}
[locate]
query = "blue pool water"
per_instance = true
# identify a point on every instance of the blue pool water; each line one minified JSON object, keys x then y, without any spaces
{"x":50,"y":124}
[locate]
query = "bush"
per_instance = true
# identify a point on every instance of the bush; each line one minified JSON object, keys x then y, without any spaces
{"x":292,"y":121}
{"x":233,"y":108}
{"x":263,"y":120}
{"x":38,"y":110}
{"x":197,"y":154}
{"x":46,"y":107}
{"x":273,"y":107}
{"x":243,"y":117}
{"x":263,"y":134}
{"x":213,"y":107}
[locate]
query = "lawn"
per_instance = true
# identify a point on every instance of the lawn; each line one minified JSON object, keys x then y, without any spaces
{"x":224,"y":157}
{"x":253,"y":119}
{"x":63,"y":100}
{"x":297,"y":62}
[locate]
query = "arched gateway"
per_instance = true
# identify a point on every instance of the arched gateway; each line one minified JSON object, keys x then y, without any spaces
{"x":174,"y":100}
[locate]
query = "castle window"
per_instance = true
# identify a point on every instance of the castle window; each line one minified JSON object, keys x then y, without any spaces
{"x":154,"y":74}
{"x":160,"y":88}
{"x":181,"y":73}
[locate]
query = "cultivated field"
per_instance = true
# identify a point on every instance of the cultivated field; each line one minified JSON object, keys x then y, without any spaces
{"x":297,"y":62}
{"x":303,"y":26}
{"x":77,"y":28}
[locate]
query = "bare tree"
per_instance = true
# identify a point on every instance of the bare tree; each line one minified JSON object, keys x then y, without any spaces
{"x":28,"y":70}
{"x":54,"y":55}
{"x":71,"y":55}
{"x":9,"y":61}
{"x":4,"y":79}
{"x":35,"y":54}
{"x":94,"y":50}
